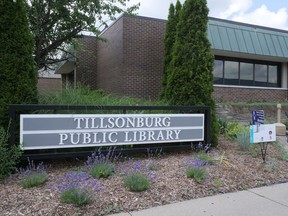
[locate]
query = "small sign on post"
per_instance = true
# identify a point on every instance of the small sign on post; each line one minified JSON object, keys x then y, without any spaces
{"x":257,"y":118}
{"x":261,"y":133}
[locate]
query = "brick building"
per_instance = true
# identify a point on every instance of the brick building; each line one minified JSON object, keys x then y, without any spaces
{"x":250,"y":61}
{"x":48,"y":81}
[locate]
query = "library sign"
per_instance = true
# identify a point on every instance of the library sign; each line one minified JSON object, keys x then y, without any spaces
{"x":85,"y":130}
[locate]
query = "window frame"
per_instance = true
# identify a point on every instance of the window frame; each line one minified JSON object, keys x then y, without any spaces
{"x":254,"y":62}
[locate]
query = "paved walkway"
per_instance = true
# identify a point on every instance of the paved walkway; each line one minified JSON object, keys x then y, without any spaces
{"x":264,"y":201}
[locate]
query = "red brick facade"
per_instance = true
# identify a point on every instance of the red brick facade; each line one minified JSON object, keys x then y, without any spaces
{"x":143,"y":56}
{"x":239,"y":94}
{"x":130,"y":63}
{"x":86,"y":61}
{"x":110,"y":59}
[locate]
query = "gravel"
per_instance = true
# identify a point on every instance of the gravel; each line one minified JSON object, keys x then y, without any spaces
{"x":243,"y":170}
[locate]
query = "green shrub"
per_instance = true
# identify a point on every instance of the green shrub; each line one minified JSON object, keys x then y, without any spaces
{"x":199,"y":174}
{"x":243,"y":139}
{"x":9,"y":155}
{"x":189,"y":79}
{"x":18,"y":74}
{"x":234,"y":128}
{"x":34,"y":180}
{"x":169,"y":40}
{"x":102,"y":170}
{"x":76,"y":196}
{"x":137,"y":182}
{"x":217,"y":183}
{"x":223,"y":126}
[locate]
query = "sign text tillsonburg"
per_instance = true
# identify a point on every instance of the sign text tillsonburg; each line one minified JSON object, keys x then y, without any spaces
{"x":85,"y":130}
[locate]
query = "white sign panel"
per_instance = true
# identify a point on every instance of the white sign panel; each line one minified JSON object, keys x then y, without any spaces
{"x":88,"y":130}
{"x":262,"y":133}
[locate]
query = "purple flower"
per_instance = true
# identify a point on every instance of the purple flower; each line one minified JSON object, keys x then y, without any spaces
{"x":32,"y":169}
{"x":131,"y":167}
{"x":80,"y":181}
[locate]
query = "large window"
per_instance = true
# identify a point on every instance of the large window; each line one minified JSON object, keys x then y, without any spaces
{"x":231,"y":71}
{"x":218,"y":72}
{"x":272,"y":79}
{"x":246,"y":74}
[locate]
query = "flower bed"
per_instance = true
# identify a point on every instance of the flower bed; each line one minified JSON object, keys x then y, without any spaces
{"x":237,"y":170}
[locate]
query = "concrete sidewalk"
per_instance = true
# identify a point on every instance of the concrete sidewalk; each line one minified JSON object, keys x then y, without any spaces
{"x":264,"y":201}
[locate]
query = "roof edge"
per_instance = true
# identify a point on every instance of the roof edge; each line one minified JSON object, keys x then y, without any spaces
{"x":248,"y":25}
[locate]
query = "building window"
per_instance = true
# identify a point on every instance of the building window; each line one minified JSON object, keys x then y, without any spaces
{"x":218,"y":72}
{"x":246,"y":74}
{"x":272,"y":79}
{"x":232,"y":71}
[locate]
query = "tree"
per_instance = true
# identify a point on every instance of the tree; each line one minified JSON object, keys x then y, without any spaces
{"x":191,"y":79}
{"x":17,"y":69}
{"x":170,"y":35}
{"x":56,"y":23}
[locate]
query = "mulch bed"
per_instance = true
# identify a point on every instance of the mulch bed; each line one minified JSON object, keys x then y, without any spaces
{"x":171,"y":185}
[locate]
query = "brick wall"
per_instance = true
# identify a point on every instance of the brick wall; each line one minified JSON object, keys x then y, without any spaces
{"x":110,"y":59}
{"x":49,"y":84}
{"x":87,"y":61}
{"x":237,"y":94}
{"x":143,"y":50}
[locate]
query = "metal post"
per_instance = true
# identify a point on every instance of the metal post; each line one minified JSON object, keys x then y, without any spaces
{"x":264,"y":147}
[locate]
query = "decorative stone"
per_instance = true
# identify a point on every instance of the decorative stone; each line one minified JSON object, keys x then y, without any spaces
{"x":280,"y":129}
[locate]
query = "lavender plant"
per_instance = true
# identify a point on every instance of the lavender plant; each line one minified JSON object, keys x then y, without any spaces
{"x":137,"y":175}
{"x":101,"y":165}
{"x":33,"y":175}
{"x":77,"y":188}
{"x":196,"y":169}
{"x":137,"y":182}
{"x":206,"y":158}
{"x":153,"y":155}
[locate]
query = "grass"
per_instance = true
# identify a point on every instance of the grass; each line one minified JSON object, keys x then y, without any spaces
{"x":83,"y":95}
{"x":254,"y":103}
